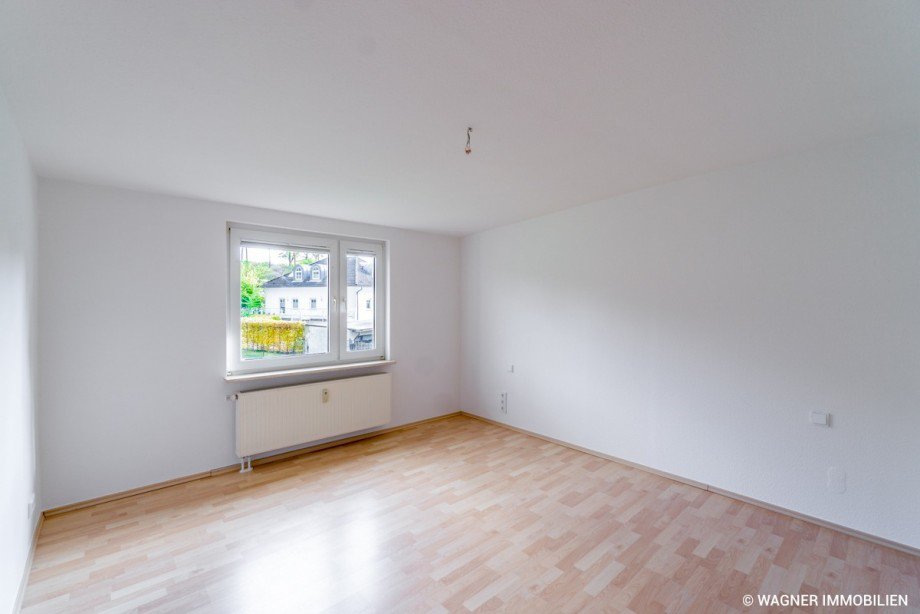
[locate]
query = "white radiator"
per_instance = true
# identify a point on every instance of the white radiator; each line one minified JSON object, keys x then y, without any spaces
{"x":283,"y":417}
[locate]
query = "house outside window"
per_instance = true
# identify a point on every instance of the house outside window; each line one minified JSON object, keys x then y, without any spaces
{"x":295,"y":303}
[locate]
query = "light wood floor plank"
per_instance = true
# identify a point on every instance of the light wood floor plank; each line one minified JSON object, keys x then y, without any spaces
{"x":451,"y":516}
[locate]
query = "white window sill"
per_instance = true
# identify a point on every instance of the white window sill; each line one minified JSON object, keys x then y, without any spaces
{"x":245,"y":377}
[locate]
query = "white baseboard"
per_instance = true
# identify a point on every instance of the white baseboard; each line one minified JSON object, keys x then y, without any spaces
{"x":261,"y":460}
{"x":21,"y":594}
{"x":881,"y":541}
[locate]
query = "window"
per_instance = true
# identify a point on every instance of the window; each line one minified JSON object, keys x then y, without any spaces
{"x":360,"y":277}
{"x":346,"y":293}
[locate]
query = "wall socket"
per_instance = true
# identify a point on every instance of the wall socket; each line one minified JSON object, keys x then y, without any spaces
{"x":503,"y":402}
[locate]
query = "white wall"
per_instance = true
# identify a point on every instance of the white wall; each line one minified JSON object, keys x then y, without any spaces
{"x":691,"y":327}
{"x":18,"y":473}
{"x":133,"y":396}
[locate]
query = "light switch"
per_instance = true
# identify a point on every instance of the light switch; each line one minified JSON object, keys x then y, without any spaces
{"x":819,"y":418}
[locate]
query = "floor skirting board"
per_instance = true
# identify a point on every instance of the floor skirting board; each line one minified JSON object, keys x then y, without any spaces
{"x":20,"y":595}
{"x":235,"y":467}
{"x":726,"y":493}
{"x":315,"y":448}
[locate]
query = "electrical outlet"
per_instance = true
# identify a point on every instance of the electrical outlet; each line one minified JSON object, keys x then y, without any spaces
{"x":503,"y":400}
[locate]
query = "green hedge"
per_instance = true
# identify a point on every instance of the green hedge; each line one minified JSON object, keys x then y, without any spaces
{"x":272,"y":335}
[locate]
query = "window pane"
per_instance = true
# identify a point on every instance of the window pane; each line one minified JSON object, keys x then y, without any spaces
{"x":284,"y":302}
{"x":360,"y":301}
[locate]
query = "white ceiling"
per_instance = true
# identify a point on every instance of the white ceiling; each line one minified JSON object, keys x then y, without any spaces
{"x":358,"y":110}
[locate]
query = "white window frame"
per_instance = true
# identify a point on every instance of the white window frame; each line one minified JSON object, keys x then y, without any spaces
{"x":337,"y":247}
{"x":375,"y":249}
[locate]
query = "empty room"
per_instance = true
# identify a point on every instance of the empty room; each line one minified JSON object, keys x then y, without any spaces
{"x":405,"y":306}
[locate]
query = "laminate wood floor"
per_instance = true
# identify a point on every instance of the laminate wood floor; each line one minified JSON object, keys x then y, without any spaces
{"x":453,"y":515}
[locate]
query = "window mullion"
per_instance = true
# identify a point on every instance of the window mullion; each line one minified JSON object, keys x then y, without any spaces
{"x":342,"y":341}
{"x":334,"y":293}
